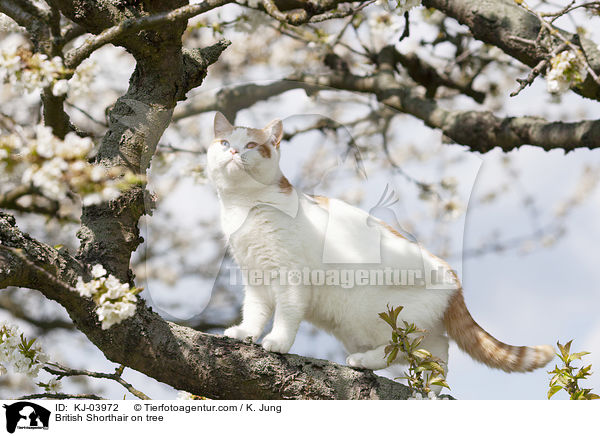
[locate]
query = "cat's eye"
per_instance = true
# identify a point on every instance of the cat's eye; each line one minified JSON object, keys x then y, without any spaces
{"x":251,"y":145}
{"x":224,"y":143}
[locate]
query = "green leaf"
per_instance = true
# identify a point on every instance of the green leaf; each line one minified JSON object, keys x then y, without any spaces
{"x":422,"y":353}
{"x":553,"y":390}
{"x":440,"y":382}
{"x":421,"y":368}
{"x":384,"y":316}
{"x":565,"y":349}
{"x":576,"y":356}
{"x":392,"y":356}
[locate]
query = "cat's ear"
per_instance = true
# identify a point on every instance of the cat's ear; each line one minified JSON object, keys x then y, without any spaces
{"x":222,"y":126}
{"x":275,"y":131}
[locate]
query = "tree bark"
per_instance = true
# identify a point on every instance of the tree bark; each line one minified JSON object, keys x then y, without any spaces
{"x":498,"y":22}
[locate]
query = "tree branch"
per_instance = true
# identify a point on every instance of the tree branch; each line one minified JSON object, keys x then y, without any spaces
{"x":203,"y":364}
{"x":16,"y":310}
{"x":509,"y":27}
{"x":116,"y":33}
{"x":307,"y":12}
{"x":231,"y":100}
{"x":62,"y":371}
{"x":481,"y":131}
{"x":61,"y":396}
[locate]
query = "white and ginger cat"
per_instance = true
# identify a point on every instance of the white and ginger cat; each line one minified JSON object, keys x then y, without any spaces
{"x":273,"y":228}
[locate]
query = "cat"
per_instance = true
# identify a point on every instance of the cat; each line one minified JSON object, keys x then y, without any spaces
{"x":273,"y":228}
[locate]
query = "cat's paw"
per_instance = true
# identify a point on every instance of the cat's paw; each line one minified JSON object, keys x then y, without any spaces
{"x":277,"y":344}
{"x":372,"y":359}
{"x":356,"y":360}
{"x":239,"y":332}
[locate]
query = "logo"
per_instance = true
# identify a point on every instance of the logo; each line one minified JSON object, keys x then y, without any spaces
{"x":26,"y":415}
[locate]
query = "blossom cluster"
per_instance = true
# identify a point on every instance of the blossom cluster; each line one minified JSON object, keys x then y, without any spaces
{"x":115,"y":300}
{"x":57,"y":166}
{"x":566,"y":69}
{"x":25,"y":356}
{"x":29,"y":72}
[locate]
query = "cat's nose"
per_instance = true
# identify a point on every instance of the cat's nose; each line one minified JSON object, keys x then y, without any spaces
{"x":233,"y":151}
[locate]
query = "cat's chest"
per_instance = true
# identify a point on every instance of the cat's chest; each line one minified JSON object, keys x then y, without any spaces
{"x":267,"y":238}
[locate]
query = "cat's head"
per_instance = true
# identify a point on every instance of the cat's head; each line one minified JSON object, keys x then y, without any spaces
{"x":241,"y":155}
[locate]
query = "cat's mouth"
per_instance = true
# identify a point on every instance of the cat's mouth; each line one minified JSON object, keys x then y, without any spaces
{"x":236,"y":163}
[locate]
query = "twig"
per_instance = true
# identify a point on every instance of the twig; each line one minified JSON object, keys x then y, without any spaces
{"x":61,"y":396}
{"x":62,"y":371}
{"x":536,"y":71}
{"x":303,"y":16}
{"x":569,"y":44}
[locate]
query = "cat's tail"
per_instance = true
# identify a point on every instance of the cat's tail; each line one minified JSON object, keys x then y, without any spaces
{"x":483,"y":347}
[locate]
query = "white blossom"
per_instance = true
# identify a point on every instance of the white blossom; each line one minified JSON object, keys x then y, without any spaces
{"x":58,"y":166}
{"x":565,"y":70}
{"x":53,"y":385}
{"x":113,"y":313}
{"x":86,"y":289}
{"x":98,"y":271}
{"x":81,"y":80}
{"x":24,"y":356}
{"x":28,"y":71}
{"x":384,"y":25}
{"x":115,"y":300}
{"x":416,"y":396}
{"x":60,"y":87}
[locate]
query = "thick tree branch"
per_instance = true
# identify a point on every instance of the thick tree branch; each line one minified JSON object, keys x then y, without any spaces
{"x":196,"y":63}
{"x":29,"y":16}
{"x":481,"y":131}
{"x":213,"y":366}
{"x":511,"y":28}
{"x":163,"y":74}
{"x":116,"y":33}
{"x":230,"y":101}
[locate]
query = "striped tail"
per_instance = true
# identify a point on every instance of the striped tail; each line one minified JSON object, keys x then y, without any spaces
{"x":483,"y":347}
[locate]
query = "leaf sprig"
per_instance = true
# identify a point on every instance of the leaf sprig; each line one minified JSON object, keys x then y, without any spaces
{"x":568,"y":377}
{"x":424,"y":369}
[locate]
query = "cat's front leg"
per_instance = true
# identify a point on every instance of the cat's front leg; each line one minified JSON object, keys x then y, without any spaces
{"x":290,"y":308}
{"x":256,"y":311}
